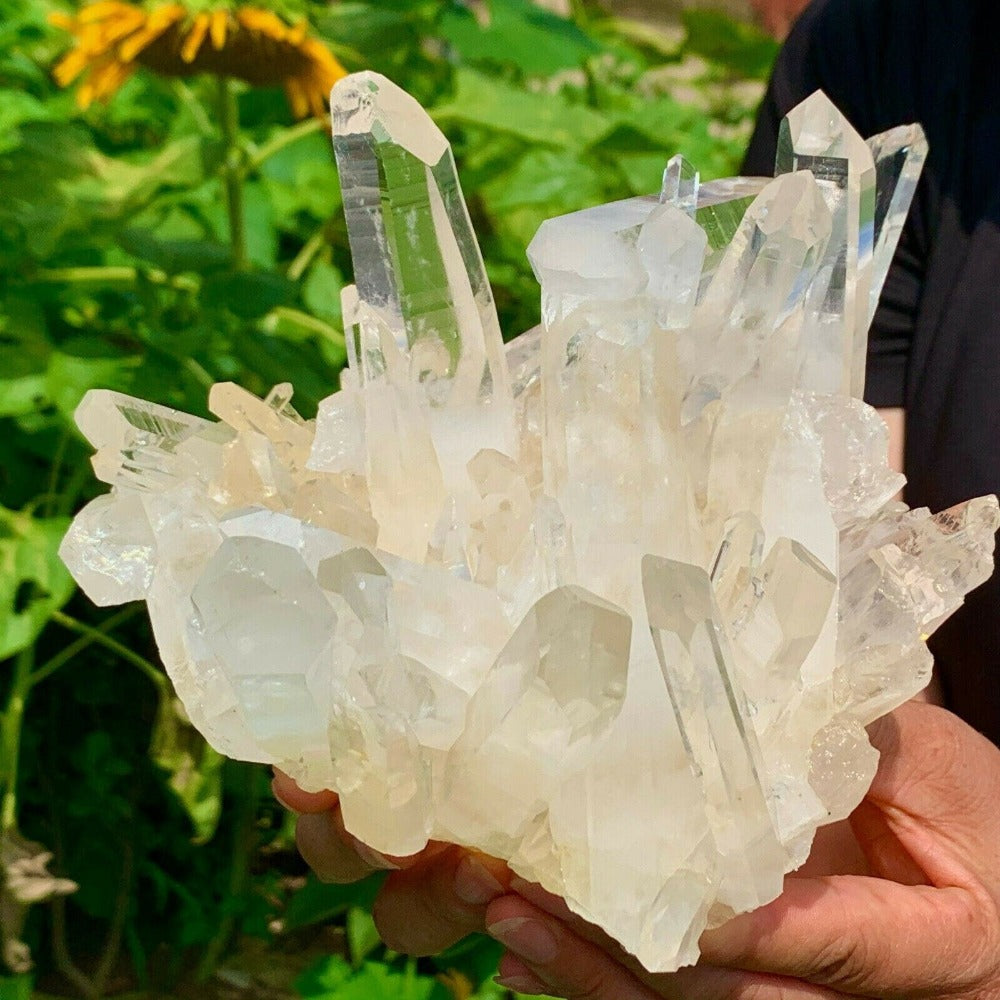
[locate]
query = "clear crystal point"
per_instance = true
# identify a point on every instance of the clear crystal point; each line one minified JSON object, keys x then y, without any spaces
{"x":899,"y":156}
{"x":711,"y":711}
{"x":614,"y":603}
{"x":680,"y":185}
{"x":417,"y":262}
{"x":816,"y":136}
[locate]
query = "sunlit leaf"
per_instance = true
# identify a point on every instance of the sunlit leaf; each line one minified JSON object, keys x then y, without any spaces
{"x":744,"y":49}
{"x":86,"y":363}
{"x":33,"y":580}
{"x":519,"y":33}
{"x":546,"y":119}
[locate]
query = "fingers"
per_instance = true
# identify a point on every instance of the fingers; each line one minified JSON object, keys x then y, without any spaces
{"x":545,"y":956}
{"x":437,"y":901}
{"x":293,"y":798}
{"x":862,"y":935}
{"x":548,"y":953}
{"x":332,"y":853}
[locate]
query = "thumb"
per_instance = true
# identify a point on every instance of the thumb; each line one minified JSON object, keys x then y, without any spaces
{"x":935,"y":796}
{"x":936,"y":791}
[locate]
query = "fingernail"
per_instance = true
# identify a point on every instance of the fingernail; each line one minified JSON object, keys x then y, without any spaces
{"x":372,"y":857}
{"x":521,"y":984}
{"x":530,"y":939}
{"x":281,"y":801}
{"x":474,"y":884}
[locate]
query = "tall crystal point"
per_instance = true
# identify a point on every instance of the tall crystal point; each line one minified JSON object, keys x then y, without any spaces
{"x":615,"y":603}
{"x":417,"y":263}
{"x":899,"y":156}
{"x":815,"y":136}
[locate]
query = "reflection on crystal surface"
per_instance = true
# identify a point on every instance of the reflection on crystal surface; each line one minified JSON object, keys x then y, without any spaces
{"x":614,"y":603}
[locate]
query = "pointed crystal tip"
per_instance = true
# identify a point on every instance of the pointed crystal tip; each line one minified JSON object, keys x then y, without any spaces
{"x":371,"y":103}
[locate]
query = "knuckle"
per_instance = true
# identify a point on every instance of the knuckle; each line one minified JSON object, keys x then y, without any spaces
{"x":593,"y":984}
{"x":844,"y":961}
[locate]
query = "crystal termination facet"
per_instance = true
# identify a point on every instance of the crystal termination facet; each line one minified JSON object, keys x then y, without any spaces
{"x":613,"y":603}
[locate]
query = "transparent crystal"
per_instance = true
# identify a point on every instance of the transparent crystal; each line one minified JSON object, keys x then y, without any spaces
{"x":815,"y":136}
{"x":899,"y":156}
{"x":680,"y":185}
{"x":417,"y":262}
{"x":614,"y":603}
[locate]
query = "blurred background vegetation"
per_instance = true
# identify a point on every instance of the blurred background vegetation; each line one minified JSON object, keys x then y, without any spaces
{"x":184,"y":230}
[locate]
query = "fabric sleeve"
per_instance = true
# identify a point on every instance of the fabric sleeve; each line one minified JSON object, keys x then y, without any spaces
{"x":835,"y":47}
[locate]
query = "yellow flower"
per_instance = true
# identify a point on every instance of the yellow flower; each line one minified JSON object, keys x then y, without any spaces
{"x":114,"y":37}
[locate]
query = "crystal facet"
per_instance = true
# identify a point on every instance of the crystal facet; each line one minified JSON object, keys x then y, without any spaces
{"x":614,"y":603}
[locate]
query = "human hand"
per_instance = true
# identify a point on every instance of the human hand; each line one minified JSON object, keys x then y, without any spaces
{"x":925,"y":921}
{"x":428,"y":901}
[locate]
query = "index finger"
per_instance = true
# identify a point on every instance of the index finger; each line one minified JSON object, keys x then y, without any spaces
{"x":288,"y":793}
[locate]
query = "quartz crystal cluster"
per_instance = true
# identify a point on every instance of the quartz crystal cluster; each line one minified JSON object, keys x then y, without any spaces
{"x":613,"y":603}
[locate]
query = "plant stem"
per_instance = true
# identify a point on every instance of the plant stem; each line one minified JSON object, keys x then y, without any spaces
{"x":186,"y":96}
{"x":12,"y":720}
{"x":156,"y":676}
{"x":197,"y":370}
{"x":305,"y":256}
{"x":66,"y":654}
{"x":284,"y":138}
{"x":113,"y":942}
{"x":233,"y":172}
{"x":244,"y":844}
{"x":308,"y":322}
{"x":109,"y":275}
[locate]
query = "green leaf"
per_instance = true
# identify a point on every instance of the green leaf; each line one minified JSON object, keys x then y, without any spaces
{"x":321,"y":291}
{"x":175,"y":255}
{"x":261,"y":233}
{"x":85,"y":363}
{"x":561,"y":182}
{"x":643,"y":172}
{"x":476,"y":957}
{"x":317,"y":902}
{"x":195,"y":769}
{"x":301,"y":177}
{"x":546,"y":119}
{"x":15,"y":987}
{"x":332,"y":979}
{"x":738,"y":45}
{"x":323,"y":978}
{"x":33,"y":580}
{"x":121,"y":184}
{"x":24,"y":357}
{"x":517,"y":33}
{"x":17,"y":107}
{"x":247,"y":294}
{"x":362,"y":935}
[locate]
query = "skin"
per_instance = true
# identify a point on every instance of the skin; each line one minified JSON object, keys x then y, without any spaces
{"x":918,"y":917}
{"x":901,"y":901}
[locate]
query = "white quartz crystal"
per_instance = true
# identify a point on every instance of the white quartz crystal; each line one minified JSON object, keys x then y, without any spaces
{"x":614,"y":603}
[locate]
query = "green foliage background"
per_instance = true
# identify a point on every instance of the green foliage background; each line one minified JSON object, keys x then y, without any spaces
{"x":117,"y":270}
